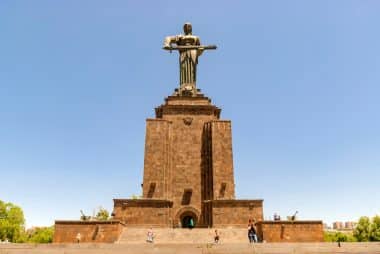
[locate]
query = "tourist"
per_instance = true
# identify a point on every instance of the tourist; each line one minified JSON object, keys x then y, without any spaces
{"x":78,"y":237}
{"x":252,"y":234}
{"x":150,"y":236}
{"x":216,"y":237}
{"x":256,"y":238}
{"x":191,"y":223}
{"x":276,"y":217}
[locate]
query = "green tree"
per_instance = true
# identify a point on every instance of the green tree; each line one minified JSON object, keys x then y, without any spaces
{"x":102,"y":214}
{"x":363,"y":229}
{"x":11,"y":222}
{"x":338,"y":237}
{"x":329,"y":236}
{"x":375,"y":229}
{"x":40,"y":235}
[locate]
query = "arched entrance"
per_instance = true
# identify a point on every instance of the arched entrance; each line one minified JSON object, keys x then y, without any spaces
{"x":187,"y":217}
{"x":188,"y":220}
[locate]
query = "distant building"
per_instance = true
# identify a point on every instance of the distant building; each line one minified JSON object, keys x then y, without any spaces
{"x":348,"y":225}
{"x":338,"y":225}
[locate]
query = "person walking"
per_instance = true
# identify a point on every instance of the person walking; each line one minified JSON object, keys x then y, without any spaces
{"x":78,"y":237}
{"x":150,"y":236}
{"x":216,"y":237}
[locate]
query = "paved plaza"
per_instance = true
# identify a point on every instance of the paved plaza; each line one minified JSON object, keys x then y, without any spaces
{"x":146,"y":248}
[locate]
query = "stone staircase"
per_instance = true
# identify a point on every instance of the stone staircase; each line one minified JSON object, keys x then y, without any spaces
{"x":187,"y":248}
{"x":183,"y":235}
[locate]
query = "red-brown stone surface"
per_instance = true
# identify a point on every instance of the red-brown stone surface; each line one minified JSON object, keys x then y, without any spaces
{"x":236,"y":212}
{"x":291,"y":231}
{"x":90,"y":231}
{"x":188,"y":162}
{"x":188,"y":171}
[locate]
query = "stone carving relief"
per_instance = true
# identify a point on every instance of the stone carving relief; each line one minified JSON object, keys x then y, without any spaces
{"x":188,"y":120}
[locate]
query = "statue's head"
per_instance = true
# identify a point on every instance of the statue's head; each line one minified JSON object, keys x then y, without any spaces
{"x":187,"y":28}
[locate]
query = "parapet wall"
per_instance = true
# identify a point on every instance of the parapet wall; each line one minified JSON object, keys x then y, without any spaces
{"x":143,"y":212}
{"x":90,"y":231}
{"x":235,"y":212}
{"x":291,"y":231}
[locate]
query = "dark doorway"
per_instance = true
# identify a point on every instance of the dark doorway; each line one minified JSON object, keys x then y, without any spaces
{"x":188,"y":221}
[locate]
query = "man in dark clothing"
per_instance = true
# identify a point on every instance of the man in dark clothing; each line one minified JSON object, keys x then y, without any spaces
{"x":252,"y":234}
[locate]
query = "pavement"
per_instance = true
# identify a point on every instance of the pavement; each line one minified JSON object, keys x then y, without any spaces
{"x":204,"y":248}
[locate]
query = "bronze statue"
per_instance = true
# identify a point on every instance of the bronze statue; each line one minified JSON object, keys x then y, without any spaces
{"x":189,"y":47}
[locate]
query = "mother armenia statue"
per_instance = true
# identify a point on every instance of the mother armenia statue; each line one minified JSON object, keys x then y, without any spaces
{"x":189,"y":48}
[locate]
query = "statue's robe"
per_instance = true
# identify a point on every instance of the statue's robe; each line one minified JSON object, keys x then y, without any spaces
{"x":188,"y":59}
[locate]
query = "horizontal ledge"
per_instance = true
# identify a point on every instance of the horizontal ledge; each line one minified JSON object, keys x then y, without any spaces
{"x":290,"y":222}
{"x":235,"y":200}
{"x":158,"y":120}
{"x":194,"y":98}
{"x":88,"y":222}
{"x":142,"y":200}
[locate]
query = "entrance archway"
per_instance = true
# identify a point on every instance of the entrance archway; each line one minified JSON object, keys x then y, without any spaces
{"x":188,"y":221}
{"x":187,"y":217}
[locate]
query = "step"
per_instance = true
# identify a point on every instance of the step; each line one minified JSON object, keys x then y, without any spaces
{"x":182,"y":235}
{"x":175,"y":248}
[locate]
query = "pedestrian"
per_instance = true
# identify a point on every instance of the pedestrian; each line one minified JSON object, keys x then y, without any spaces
{"x":150,"y":236}
{"x":252,"y":234}
{"x":191,"y":223}
{"x":256,"y":239}
{"x":216,"y":237}
{"x":78,"y":237}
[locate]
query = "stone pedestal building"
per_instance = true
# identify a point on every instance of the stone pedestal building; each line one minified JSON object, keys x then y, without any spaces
{"x":188,"y":170}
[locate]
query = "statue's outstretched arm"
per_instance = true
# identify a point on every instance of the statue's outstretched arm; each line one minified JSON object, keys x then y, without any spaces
{"x":169,"y":40}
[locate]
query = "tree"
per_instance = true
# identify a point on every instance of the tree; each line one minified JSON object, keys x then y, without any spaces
{"x":102,"y":214}
{"x":338,"y":237}
{"x":40,"y":235}
{"x":329,"y":236}
{"x":11,"y":222}
{"x":134,"y":196}
{"x":363,"y":229}
{"x":375,"y":229}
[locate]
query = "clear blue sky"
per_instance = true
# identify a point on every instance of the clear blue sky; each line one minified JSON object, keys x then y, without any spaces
{"x":300,"y":81}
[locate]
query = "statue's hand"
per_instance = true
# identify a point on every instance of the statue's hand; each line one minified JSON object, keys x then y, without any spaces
{"x":200,"y":51}
{"x":167,"y":47}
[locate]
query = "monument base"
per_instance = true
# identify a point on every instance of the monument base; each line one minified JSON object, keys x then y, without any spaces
{"x":90,"y":231}
{"x":291,"y":231}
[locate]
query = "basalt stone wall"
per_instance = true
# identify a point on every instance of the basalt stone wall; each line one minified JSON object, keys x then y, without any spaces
{"x":236,"y":213}
{"x":291,"y":231}
{"x":222,"y":162}
{"x":174,"y":155}
{"x":157,"y":160}
{"x":90,"y":231}
{"x":143,"y":212}
{"x":186,"y":146}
